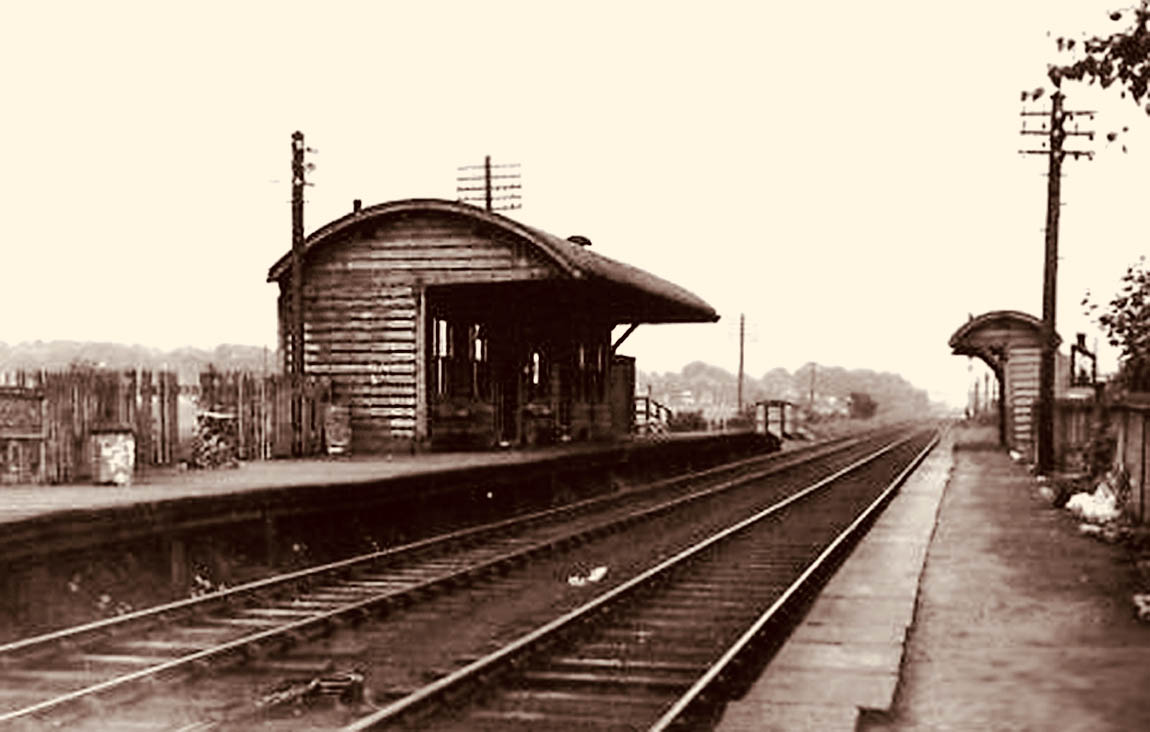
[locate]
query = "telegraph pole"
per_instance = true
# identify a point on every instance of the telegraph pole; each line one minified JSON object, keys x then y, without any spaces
{"x":298,"y":181}
{"x":814,"y":368}
{"x":497,"y":187}
{"x":742,"y":331}
{"x":487,"y":180}
{"x":1049,"y":290}
{"x":1055,"y":153}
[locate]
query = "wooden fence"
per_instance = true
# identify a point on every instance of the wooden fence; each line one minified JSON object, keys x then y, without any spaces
{"x":1131,"y":416}
{"x":73,"y":403}
{"x":262,"y":408}
{"x":651,"y":417}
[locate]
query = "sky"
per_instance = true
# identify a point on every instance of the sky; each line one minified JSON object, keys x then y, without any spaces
{"x":846,"y":175}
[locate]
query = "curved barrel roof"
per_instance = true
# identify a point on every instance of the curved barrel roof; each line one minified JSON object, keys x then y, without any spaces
{"x":966,"y":340}
{"x":572,"y":260}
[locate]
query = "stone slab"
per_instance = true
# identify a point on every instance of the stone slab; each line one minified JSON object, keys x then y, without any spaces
{"x":781,"y":717}
{"x":860,"y":610}
{"x":848,"y":655}
{"x":833,"y":633}
{"x":861,"y":689}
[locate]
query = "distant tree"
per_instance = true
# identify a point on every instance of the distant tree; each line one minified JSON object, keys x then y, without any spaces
{"x":862,"y":406}
{"x":1122,"y":57}
{"x":1126,"y":323}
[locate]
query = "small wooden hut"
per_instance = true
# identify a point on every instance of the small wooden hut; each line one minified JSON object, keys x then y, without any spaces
{"x":1010,"y":343}
{"x":444,"y":324}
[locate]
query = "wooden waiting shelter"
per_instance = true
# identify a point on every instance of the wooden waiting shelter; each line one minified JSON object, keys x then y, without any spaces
{"x":444,"y":324}
{"x":1010,"y":343}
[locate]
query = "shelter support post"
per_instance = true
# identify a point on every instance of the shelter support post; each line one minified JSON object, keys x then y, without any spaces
{"x":616,"y":344}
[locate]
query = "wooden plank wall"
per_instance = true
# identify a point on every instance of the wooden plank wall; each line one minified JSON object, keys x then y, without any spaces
{"x":362,"y":306}
{"x":1022,"y":381}
{"x":21,"y":434}
{"x":80,"y":400}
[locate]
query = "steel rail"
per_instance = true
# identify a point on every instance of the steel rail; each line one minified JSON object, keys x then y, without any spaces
{"x":848,"y":534}
{"x":496,"y":661}
{"x":288,"y":630}
{"x":161,"y":612}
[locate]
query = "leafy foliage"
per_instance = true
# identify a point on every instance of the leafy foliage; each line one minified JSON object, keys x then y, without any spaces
{"x":1126,"y":323}
{"x":1122,"y":57}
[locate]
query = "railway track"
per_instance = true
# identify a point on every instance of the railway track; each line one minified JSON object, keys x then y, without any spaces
{"x":61,"y":677}
{"x":661,"y":651}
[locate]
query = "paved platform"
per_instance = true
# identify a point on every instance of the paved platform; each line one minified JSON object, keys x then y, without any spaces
{"x":23,"y":502}
{"x":846,"y":654}
{"x":1014,"y":621}
{"x":40,"y":520}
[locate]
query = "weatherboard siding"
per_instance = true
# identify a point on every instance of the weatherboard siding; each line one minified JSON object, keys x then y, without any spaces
{"x":435,"y":248}
{"x":1023,"y":377}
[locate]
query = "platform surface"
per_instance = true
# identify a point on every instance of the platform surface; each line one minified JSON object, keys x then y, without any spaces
{"x":25,"y":502}
{"x":846,"y":654}
{"x":1014,"y":621}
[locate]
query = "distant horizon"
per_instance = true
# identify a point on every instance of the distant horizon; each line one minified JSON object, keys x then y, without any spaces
{"x":192,"y":346}
{"x":263,"y":350}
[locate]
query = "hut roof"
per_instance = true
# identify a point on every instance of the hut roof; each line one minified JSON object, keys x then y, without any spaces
{"x":674,"y":304}
{"x":963,"y":342}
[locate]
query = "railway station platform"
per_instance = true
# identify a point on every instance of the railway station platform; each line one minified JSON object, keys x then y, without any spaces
{"x":971,"y":605}
{"x":36,"y":520}
{"x":75,"y":553}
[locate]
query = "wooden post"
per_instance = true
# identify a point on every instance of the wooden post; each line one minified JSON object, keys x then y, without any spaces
{"x":742,"y":330}
{"x":43,"y":477}
{"x":1142,"y":474}
{"x":1049,"y":288}
{"x":422,"y":324}
{"x":271,"y":541}
{"x":298,"y":183}
{"x":487,"y":180}
{"x":145,"y":454}
{"x":178,"y":563}
{"x":241,"y":423}
{"x":173,"y":416}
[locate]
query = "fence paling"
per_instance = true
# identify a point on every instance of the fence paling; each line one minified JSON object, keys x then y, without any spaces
{"x":262,"y":408}
{"x":75,"y":402}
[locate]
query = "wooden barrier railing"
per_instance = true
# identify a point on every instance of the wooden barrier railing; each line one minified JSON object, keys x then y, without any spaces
{"x":651,"y":417}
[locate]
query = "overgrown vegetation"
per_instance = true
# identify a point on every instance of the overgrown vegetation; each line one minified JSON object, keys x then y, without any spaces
{"x":1126,"y":322}
{"x":1122,"y":57}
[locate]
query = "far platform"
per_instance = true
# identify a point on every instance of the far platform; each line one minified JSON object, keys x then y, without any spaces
{"x":36,"y":518}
